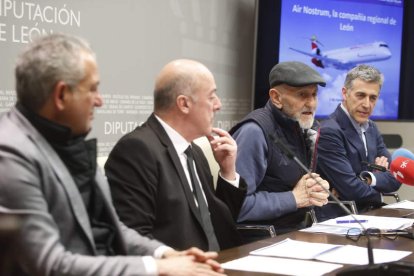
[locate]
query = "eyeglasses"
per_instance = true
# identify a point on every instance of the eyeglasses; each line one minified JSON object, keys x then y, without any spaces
{"x":355,"y":233}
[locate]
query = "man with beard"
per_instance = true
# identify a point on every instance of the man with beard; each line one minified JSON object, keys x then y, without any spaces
{"x":279,"y":191}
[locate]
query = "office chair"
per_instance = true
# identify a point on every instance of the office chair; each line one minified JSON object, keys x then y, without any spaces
{"x":253,"y":232}
{"x":350,"y":204}
{"x":395,"y":195}
{"x":9,"y":226}
{"x":248,"y":231}
{"x":245,"y":230}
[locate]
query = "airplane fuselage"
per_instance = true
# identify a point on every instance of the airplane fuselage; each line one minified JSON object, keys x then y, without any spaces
{"x":350,"y":56}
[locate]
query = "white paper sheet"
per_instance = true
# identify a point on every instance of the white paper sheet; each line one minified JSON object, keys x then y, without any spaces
{"x":405,"y":204}
{"x":333,"y":227}
{"x":374,"y":222}
{"x":351,"y":254}
{"x":289,"y":248}
{"x":280,"y":266}
{"x":344,"y":254}
{"x":329,"y":229}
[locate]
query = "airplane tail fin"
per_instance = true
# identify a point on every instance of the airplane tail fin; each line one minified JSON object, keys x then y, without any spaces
{"x":317,"y":62}
{"x":316,"y":50}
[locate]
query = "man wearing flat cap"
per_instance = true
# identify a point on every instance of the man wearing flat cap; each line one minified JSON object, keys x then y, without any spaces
{"x":279,"y":191}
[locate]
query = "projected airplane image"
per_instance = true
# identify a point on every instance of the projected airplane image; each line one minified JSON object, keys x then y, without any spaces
{"x":348,"y":57}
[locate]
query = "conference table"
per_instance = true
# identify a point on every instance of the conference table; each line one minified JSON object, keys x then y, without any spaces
{"x":401,"y":243}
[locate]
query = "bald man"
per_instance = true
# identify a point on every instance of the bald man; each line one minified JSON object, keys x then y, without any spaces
{"x":157,"y":188}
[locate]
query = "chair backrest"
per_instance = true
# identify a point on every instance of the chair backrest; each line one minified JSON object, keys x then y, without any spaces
{"x":101,"y":161}
{"x":392,"y":141}
{"x":393,"y":195}
{"x":204,"y":144}
{"x":9,"y":226}
{"x":254,"y":232}
{"x":249,"y":232}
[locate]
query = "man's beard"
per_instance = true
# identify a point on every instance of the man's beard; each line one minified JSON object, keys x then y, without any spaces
{"x":305,"y":124}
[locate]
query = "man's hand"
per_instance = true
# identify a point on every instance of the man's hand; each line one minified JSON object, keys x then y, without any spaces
{"x":189,"y":262}
{"x":199,"y":255}
{"x":225,"y":152}
{"x":318,"y":196}
{"x":185,"y":265}
{"x":382,"y":161}
{"x":308,"y":192}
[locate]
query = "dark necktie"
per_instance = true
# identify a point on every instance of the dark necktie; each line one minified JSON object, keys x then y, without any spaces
{"x":202,"y":205}
{"x":308,"y":146}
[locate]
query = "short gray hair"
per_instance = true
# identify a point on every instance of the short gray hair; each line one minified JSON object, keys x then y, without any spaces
{"x":48,"y":60}
{"x":365,"y":73}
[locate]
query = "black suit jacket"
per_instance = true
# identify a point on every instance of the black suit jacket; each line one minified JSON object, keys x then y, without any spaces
{"x":151,"y":193}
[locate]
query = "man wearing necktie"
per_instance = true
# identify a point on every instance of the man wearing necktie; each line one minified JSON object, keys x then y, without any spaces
{"x":349,"y":140}
{"x":161,"y":181}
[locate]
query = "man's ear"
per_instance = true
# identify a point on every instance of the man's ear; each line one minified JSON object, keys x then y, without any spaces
{"x":183,"y":103}
{"x":60,"y":95}
{"x":276,"y":97}
{"x":344,"y":92}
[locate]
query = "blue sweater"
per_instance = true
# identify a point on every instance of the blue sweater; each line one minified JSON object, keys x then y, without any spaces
{"x":269,"y":174}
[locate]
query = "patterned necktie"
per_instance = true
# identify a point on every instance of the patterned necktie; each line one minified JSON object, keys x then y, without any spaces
{"x":364,"y":140}
{"x":202,"y":205}
{"x":310,"y":136}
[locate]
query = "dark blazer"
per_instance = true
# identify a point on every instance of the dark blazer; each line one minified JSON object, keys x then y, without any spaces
{"x":55,"y":237}
{"x":151,"y":193}
{"x":341,"y":152}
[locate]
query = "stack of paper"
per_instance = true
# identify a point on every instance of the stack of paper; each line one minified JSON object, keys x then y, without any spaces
{"x":280,"y":266}
{"x":341,"y":225}
{"x":271,"y":259}
{"x":344,"y":254}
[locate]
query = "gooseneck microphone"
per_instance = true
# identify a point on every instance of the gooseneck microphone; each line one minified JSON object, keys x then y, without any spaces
{"x":286,"y":151}
{"x":398,"y":153}
{"x":393,"y":268}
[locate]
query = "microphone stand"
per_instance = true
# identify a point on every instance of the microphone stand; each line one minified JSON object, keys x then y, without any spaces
{"x":395,"y":268}
{"x":286,"y":151}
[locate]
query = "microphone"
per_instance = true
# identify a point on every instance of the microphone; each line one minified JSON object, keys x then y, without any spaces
{"x":375,"y":166}
{"x":286,"y":151}
{"x":402,"y":152}
{"x":393,"y":268}
{"x":397,"y":153}
{"x":402,"y":168}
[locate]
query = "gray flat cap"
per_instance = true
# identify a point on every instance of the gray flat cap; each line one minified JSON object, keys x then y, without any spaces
{"x":294,"y":73}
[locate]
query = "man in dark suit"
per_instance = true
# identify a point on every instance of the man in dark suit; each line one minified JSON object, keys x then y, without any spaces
{"x":349,"y":140}
{"x":155,"y":191}
{"x":49,"y":177}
